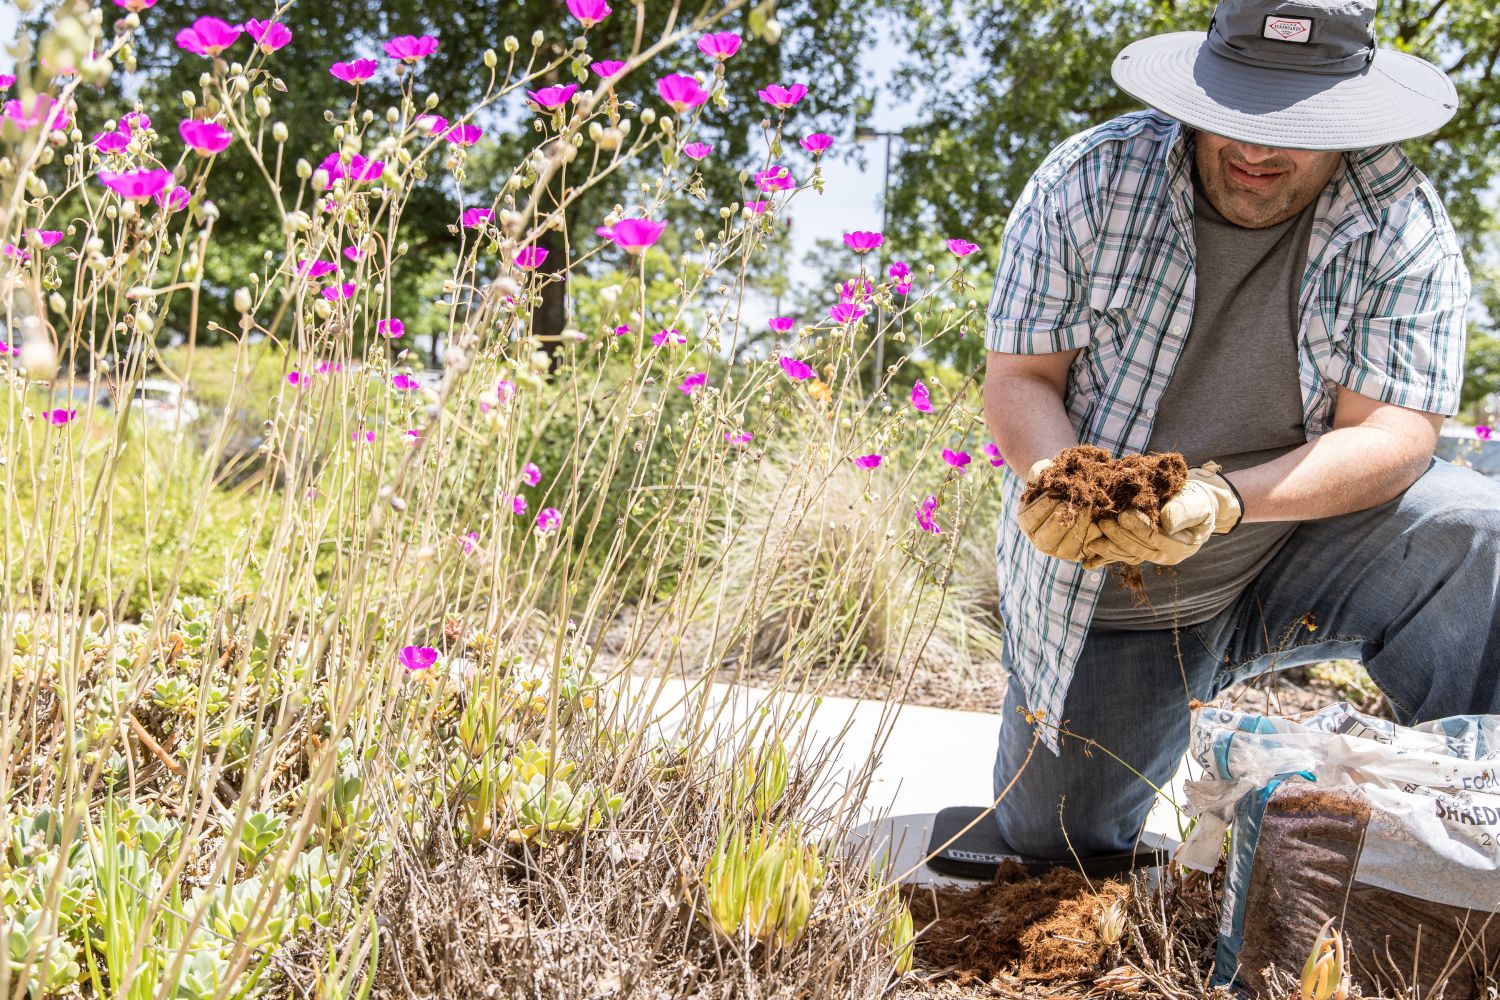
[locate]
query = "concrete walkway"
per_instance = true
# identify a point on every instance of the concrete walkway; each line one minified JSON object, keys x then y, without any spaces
{"x":912,"y":760}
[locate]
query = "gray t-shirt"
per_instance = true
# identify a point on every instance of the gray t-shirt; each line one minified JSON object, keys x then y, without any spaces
{"x":1235,"y":398}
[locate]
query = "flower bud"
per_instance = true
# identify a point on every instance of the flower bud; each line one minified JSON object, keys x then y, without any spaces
{"x":511,"y":44}
{"x":242,"y":300}
{"x":262,"y":107}
{"x":431,"y":102}
{"x":279,"y":132}
{"x":239,"y":87}
{"x":189,"y":99}
{"x":392,"y":116}
{"x":144,"y":323}
{"x":772,"y":33}
{"x":536,"y":39}
{"x":322,"y":309}
{"x":490,"y":59}
{"x":56,"y":303}
{"x":304,"y":169}
{"x":320,"y":180}
{"x":648,"y":116}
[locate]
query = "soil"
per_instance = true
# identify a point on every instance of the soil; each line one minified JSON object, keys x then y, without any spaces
{"x":1088,"y":481}
{"x":1042,"y":930}
{"x":1304,"y":872}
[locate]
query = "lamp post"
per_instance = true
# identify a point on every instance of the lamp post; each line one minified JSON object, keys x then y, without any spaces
{"x":864,"y":132}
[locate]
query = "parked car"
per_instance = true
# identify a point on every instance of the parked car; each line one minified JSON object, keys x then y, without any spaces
{"x":163,"y":403}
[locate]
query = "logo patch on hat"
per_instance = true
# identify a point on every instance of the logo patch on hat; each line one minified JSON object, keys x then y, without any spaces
{"x":1288,"y":29}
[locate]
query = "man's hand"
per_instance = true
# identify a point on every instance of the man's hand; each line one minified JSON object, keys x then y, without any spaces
{"x":1049,"y":527}
{"x":1206,"y":505}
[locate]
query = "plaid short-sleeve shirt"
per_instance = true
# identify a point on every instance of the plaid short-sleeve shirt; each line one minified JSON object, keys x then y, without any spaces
{"x":1098,"y":254}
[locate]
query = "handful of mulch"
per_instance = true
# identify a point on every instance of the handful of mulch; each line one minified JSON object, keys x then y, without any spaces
{"x":1086,"y":481}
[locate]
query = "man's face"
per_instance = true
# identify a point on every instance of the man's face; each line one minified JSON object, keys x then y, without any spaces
{"x":1259,"y":186}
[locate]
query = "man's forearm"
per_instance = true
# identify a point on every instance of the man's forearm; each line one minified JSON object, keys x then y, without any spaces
{"x":1345,"y":470}
{"x":1027,"y":420}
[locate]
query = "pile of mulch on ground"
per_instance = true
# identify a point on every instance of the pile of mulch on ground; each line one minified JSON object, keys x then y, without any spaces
{"x":1037,"y":929}
{"x":1305,"y":872}
{"x":1088,"y":482}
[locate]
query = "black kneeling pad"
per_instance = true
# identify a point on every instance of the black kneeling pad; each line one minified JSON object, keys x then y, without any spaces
{"x":979,"y":851}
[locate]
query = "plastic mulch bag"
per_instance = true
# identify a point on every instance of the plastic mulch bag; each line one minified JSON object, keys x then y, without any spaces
{"x":1394,"y":831}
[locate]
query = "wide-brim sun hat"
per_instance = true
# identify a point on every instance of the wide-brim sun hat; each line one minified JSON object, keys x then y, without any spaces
{"x":1302,"y":75}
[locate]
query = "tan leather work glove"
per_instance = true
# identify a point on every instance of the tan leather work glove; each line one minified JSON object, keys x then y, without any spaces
{"x":1208,"y":504}
{"x":1044,"y":525}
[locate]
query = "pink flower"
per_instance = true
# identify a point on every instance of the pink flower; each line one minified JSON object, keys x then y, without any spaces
{"x":550,"y":519}
{"x":781,"y":324}
{"x":672,"y":337}
{"x":741,"y":437}
{"x":531,"y":473}
{"x":606,"y":68}
{"x":208,"y":36}
{"x":774,"y":178}
{"x":957,"y":459}
{"x":518,"y":504}
{"x":8,"y":81}
{"x":269,"y":35}
{"x":44,"y":110}
{"x":173,"y":199}
{"x":992,"y":451}
{"x":861,"y":241}
{"x":315,"y":268}
{"x":962,"y":248}
{"x":530,"y":256}
{"x":757,"y":207}
{"x":590,"y":12}
{"x":137,"y":185}
{"x":902,"y":287}
{"x":112,"y":142}
{"x":697,"y":150}
{"x":694,"y":382}
{"x":49,"y":238}
{"x":476,"y":217}
{"x":358,"y":169}
{"x":817,"y":143}
{"x":920,"y":398}
{"x":633,"y":235}
{"x":869,"y":461}
{"x":413,"y":436}
{"x":432,"y":123}
{"x":391,"y":328}
{"x":205,"y":138}
{"x":797,"y":370}
{"x":135,"y":120}
{"x":294,"y":379}
{"x":328,"y":367}
{"x":680,"y":92}
{"x":365,"y":437}
{"x":504,"y":390}
{"x":410,"y":48}
{"x":358,"y":71}
{"x":59,"y":417}
{"x":899,"y":269}
{"x":6,"y":349}
{"x":855,"y":290}
{"x":783,"y":97}
{"x":845,"y":312}
{"x":135,"y":6}
{"x":470,"y":540}
{"x":463,"y":135}
{"x":720,"y":46}
{"x":405,"y":383}
{"x":550,"y":98}
{"x":15,"y":252}
{"x":925,"y":514}
{"x":418,"y":657}
{"x":1483,"y":432}
{"x":334,"y":293}
{"x":353,"y":253}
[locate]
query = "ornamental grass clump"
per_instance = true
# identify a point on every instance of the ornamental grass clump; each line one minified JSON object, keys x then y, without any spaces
{"x":359,"y":671}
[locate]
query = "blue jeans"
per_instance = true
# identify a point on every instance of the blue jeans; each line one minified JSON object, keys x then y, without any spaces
{"x":1411,"y":588}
